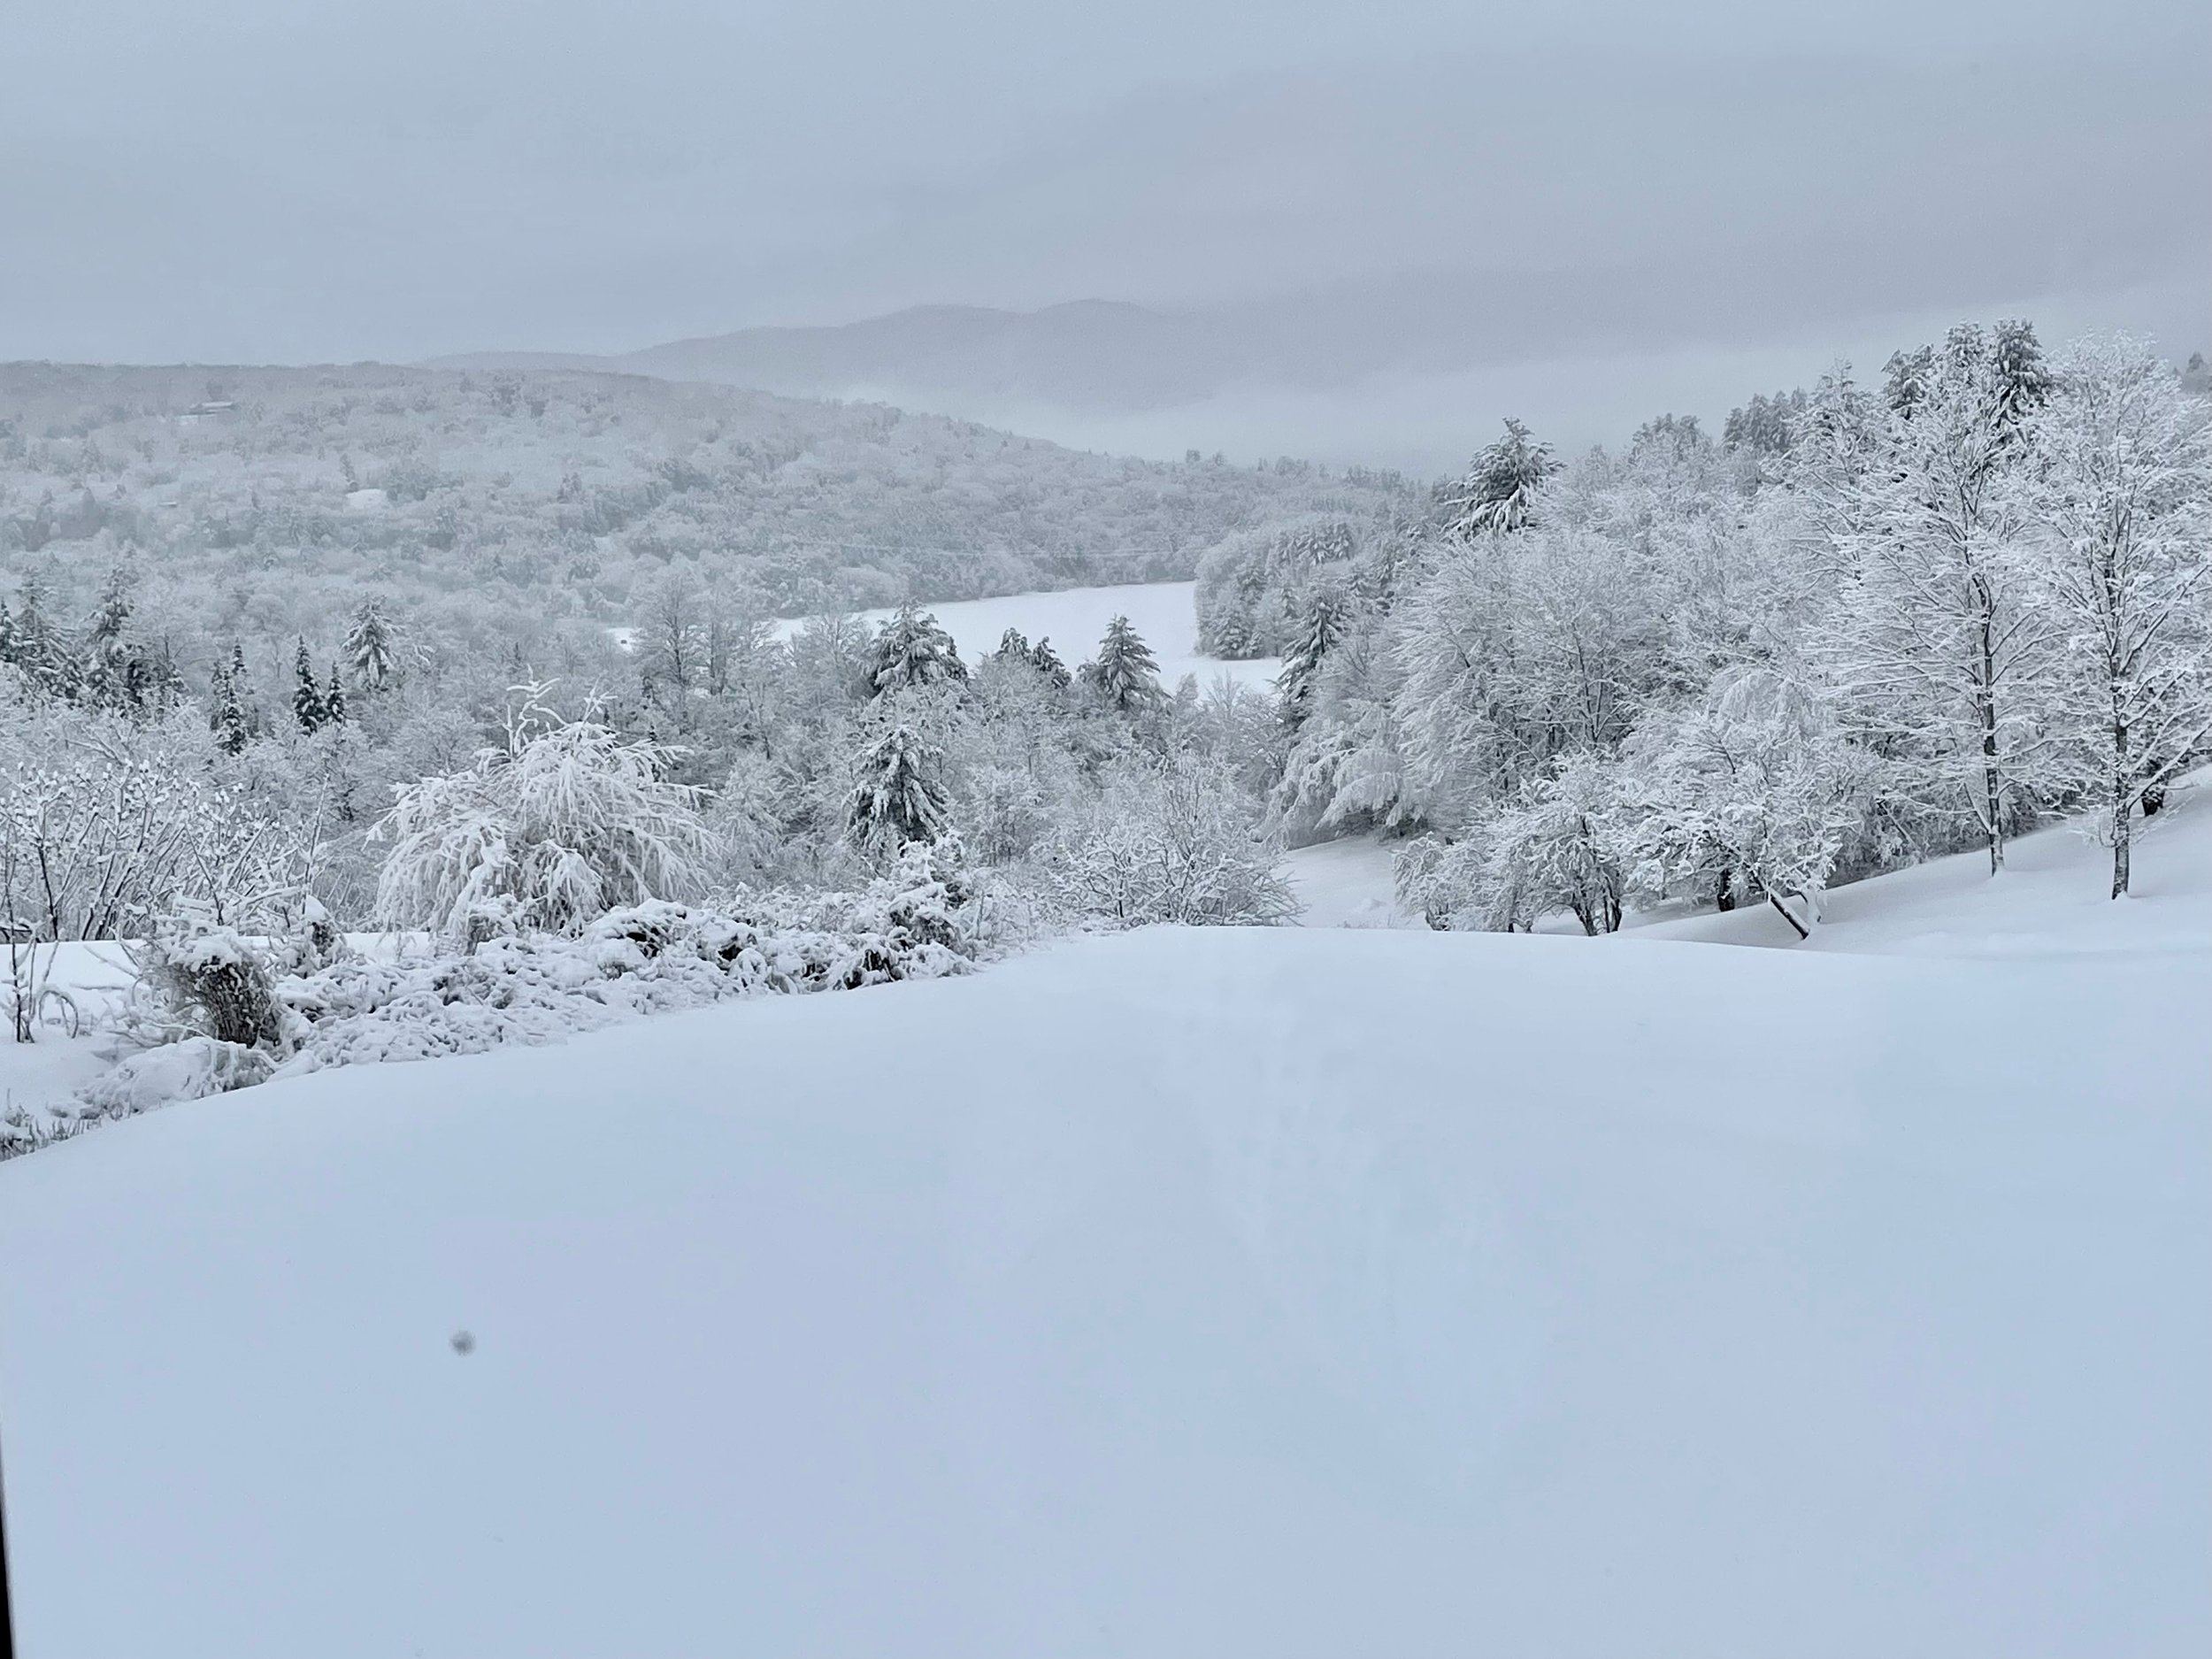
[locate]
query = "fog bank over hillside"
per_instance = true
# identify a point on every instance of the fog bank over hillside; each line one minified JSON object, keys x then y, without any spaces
{"x":1427,"y":423}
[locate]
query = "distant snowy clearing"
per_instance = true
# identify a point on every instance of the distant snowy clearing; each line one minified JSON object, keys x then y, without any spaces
{"x":1165,"y":613}
{"x":1262,"y":1292}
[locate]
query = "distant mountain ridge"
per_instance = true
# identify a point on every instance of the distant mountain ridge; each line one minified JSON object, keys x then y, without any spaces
{"x":1103,"y":355}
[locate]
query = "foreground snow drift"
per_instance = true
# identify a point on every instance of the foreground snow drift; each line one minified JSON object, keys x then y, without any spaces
{"x":1263,"y":1292}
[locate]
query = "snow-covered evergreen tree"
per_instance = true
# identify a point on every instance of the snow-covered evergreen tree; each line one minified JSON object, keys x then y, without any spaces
{"x":913,"y":649}
{"x":898,"y":792}
{"x":371,"y":647}
{"x":1498,"y":492}
{"x":1124,"y":675}
{"x":1046,"y":662}
{"x":113,"y":676}
{"x":1321,"y":624}
{"x":308,"y":707}
{"x":226,"y":712}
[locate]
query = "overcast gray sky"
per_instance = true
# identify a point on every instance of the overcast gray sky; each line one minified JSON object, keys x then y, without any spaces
{"x":285,"y":181}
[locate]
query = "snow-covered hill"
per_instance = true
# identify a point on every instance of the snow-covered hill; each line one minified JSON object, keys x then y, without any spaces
{"x":1267,"y":1292}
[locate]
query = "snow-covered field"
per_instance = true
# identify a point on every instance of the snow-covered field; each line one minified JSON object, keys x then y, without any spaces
{"x":1259,"y":1291}
{"x":1346,"y":884}
{"x":1074,"y":618}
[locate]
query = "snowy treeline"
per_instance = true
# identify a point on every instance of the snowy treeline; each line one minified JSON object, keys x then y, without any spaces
{"x":1873,"y":622}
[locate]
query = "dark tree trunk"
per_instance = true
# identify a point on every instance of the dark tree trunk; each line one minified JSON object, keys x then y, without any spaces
{"x":1783,"y":910}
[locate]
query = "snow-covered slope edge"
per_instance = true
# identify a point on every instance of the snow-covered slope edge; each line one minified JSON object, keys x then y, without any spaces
{"x":1242,"y":1291}
{"x":2052,"y":897}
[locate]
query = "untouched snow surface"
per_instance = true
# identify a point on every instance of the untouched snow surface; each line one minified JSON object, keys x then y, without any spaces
{"x":1261,"y":1293}
{"x":1165,"y":613}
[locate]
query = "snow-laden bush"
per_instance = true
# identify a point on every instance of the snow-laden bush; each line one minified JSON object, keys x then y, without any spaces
{"x":646,"y":958}
{"x":199,"y":979}
{"x":105,"y":823}
{"x":1459,"y":885}
{"x":1174,"y":843}
{"x":568,"y":821}
{"x":190,"y":1069}
{"x":220,"y":1015}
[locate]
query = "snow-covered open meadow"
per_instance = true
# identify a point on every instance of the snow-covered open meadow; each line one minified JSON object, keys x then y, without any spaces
{"x":1262,"y":1291}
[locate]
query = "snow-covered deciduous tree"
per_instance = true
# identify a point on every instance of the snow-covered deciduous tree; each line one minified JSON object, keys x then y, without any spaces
{"x":1174,"y":842}
{"x":1461,"y":885}
{"x":1755,"y":791}
{"x":747,"y":819}
{"x":2118,"y":500}
{"x":1944,"y":663}
{"x":1559,"y":844}
{"x":564,"y":822}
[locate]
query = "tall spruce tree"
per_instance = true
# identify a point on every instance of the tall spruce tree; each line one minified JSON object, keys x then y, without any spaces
{"x":308,"y":707}
{"x":371,"y":647}
{"x":897,"y":794}
{"x":1125,"y":674}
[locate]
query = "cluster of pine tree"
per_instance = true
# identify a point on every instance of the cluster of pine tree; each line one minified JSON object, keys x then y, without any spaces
{"x":104,"y":663}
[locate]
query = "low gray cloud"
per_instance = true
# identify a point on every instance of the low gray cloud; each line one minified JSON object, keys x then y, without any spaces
{"x":1405,"y":187}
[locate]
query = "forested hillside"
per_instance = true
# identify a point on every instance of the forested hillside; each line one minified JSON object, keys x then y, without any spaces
{"x":261,"y":504}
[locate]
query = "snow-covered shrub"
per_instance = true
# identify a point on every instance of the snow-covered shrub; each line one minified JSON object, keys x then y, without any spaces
{"x":190,"y":1069}
{"x":199,"y":979}
{"x":917,"y":922}
{"x":1008,"y":811}
{"x":1460,"y":885}
{"x":568,"y":820}
{"x":1174,"y":843}
{"x":24,"y":1131}
{"x":104,"y":823}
